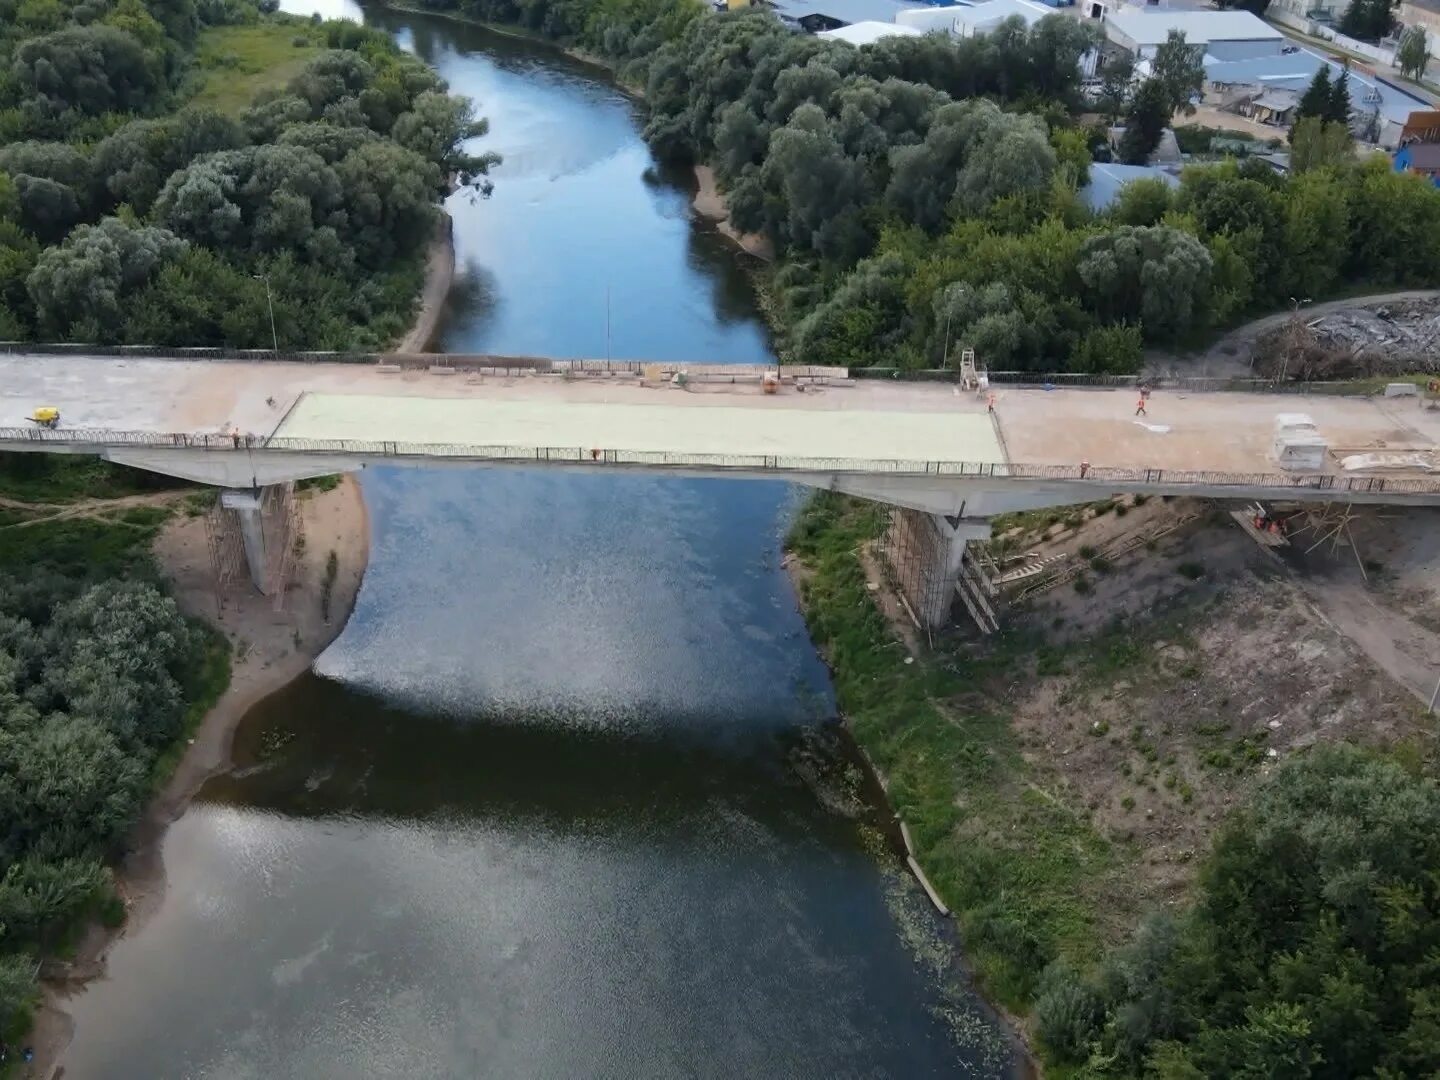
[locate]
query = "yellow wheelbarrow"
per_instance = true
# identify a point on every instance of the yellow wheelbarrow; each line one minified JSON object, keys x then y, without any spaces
{"x":45,"y":416}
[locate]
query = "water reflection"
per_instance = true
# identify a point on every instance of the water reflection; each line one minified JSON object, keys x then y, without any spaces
{"x":543,"y":816}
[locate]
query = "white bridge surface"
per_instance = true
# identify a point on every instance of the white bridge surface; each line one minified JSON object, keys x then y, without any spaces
{"x":656,"y":425}
{"x":294,"y":419}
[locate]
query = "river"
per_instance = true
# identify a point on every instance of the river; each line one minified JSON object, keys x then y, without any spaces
{"x":542,"y":810}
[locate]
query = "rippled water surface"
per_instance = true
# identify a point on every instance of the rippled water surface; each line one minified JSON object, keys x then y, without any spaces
{"x":541,"y":813}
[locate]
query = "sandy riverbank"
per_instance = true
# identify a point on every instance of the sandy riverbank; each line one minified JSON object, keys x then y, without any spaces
{"x":270,"y":649}
{"x":710,"y":203}
{"x":439,"y":275}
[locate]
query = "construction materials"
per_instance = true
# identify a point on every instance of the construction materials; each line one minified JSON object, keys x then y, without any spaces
{"x":1298,"y":446}
{"x":1261,"y":527}
{"x":1396,"y":460}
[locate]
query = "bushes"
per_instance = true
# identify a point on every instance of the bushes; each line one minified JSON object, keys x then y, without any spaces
{"x":1068,"y":1012}
{"x":1309,"y":949}
{"x":154,"y":230}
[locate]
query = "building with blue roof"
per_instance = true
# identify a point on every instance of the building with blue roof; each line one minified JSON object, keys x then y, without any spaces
{"x":1374,"y":102}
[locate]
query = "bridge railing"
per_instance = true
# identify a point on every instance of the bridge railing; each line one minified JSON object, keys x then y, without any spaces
{"x":1099,"y":475}
{"x":485,"y":363}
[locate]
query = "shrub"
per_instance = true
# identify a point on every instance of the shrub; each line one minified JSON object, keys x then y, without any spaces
{"x":1068,"y":1011}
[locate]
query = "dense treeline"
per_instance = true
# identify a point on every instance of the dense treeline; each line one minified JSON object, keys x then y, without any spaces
{"x":1311,"y":948}
{"x":99,"y":676}
{"x":126,"y":216}
{"x":922,"y":192}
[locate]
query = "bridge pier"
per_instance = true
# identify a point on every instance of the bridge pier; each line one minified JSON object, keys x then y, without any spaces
{"x":931,"y":560}
{"x":246,"y":503}
{"x":959,"y":573}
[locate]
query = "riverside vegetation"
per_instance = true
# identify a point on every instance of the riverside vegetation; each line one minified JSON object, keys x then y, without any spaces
{"x":146,"y":199}
{"x":922,"y":192}
{"x":100,"y":677}
{"x":1308,"y":944}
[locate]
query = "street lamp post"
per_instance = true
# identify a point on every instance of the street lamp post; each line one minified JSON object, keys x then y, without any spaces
{"x":270,"y":302}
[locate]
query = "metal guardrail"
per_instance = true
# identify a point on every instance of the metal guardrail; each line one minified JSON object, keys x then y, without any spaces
{"x":482,"y":362}
{"x":1099,"y":476}
{"x":1068,"y":380}
{"x":489,"y":364}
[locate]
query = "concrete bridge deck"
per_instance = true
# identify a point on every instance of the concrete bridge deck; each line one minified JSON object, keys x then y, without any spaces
{"x":864,"y":427}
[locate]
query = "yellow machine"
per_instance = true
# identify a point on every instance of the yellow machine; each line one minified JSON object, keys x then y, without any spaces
{"x":45,"y":416}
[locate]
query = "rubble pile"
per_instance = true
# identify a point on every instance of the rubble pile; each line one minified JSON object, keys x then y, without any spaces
{"x":1384,"y":339}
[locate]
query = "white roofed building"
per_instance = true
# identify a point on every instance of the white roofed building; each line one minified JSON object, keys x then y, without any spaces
{"x":929,"y":20}
{"x":867,"y":33}
{"x":1221,"y":35}
{"x":984,"y":18}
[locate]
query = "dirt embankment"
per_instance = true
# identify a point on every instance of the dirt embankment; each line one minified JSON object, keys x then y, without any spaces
{"x":1182,"y":670}
{"x":270,"y":648}
{"x":710,"y":203}
{"x":439,"y":276}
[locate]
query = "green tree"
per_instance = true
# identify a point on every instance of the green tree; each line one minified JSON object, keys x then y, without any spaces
{"x":1320,"y":144}
{"x":1179,"y":67}
{"x":1317,"y":232}
{"x":1116,"y":81}
{"x":863,"y":322}
{"x":1158,"y":277}
{"x":436,"y":128}
{"x":389,"y":200}
{"x":1118,"y":349}
{"x":133,"y":163}
{"x":1318,"y":97}
{"x":1310,"y":948}
{"x":1149,"y":116}
{"x":1413,"y":55}
{"x":1368,"y":20}
{"x":9,"y":198}
{"x":1142,"y":202}
{"x":18,"y":990}
{"x":1395,"y":226}
{"x":91,"y":69}
{"x":86,"y":278}
{"x":1338,"y":110}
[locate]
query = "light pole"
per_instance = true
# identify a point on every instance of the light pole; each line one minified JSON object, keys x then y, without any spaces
{"x":270,"y":302}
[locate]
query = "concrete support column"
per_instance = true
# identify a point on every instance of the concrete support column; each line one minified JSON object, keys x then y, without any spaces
{"x":956,"y":533}
{"x":246,"y":504}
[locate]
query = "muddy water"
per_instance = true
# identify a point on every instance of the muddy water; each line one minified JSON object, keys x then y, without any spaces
{"x":549,"y":807}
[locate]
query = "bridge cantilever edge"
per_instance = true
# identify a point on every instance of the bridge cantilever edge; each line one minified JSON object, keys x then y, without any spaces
{"x":240,"y":460}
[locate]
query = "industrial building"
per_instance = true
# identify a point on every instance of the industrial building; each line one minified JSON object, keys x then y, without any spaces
{"x":1220,"y":35}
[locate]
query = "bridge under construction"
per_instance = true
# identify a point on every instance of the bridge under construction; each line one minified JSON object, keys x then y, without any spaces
{"x":956,"y":455}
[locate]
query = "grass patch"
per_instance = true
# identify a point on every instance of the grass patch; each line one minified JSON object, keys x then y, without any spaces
{"x":1022,"y":872}
{"x":64,"y":478}
{"x":234,"y":63}
{"x":327,"y":587}
{"x":318,"y":483}
{"x":83,"y":549}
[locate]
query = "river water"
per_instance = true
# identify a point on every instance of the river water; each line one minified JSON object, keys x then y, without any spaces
{"x":547,"y":808}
